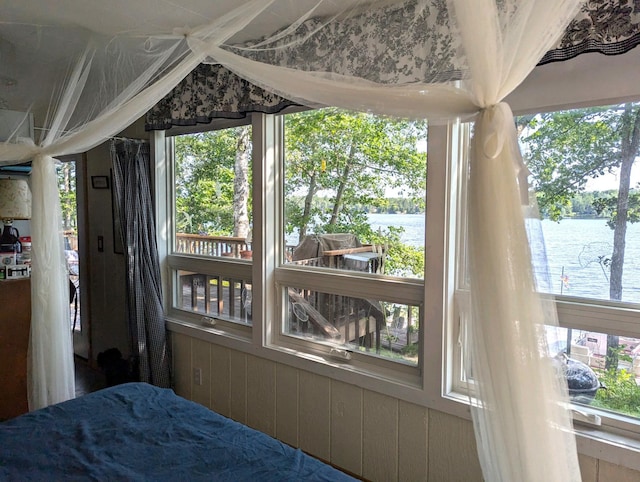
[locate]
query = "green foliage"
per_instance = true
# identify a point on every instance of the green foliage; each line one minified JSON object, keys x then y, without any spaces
{"x":401,"y":259}
{"x":621,"y":393}
{"x":67,"y":190}
{"x":608,"y":206}
{"x":564,"y":149}
{"x":340,"y":165}
{"x":351,"y":159}
{"x":204,"y":165}
{"x":411,"y":350}
{"x":597,"y":204}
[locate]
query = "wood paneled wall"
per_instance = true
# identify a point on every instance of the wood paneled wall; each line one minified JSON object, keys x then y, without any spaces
{"x":372,"y":436}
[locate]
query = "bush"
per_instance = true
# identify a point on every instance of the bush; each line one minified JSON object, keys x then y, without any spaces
{"x":621,"y":392}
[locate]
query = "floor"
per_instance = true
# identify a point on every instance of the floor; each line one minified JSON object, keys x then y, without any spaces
{"x":87,"y":379}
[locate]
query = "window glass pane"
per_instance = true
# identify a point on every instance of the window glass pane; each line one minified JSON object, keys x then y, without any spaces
{"x":375,"y":327}
{"x":354,"y":192}
{"x":222,"y":297}
{"x":597,"y":376}
{"x":582,"y":165}
{"x":213,"y":193}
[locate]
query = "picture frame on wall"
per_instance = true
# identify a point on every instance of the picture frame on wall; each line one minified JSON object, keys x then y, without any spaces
{"x":100,"y":182}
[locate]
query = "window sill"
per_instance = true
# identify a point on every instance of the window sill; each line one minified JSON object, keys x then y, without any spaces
{"x":237,"y":338}
{"x":591,"y":441}
{"x":613,"y":448}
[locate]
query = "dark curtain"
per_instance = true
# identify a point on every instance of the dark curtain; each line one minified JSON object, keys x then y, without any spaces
{"x":134,"y":208}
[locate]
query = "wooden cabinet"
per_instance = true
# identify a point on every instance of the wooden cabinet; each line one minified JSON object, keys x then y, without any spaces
{"x":15,"y":325}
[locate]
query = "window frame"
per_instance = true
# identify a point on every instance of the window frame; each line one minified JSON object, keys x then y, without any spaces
{"x":619,"y":318}
{"x":174,"y":261}
{"x":339,"y":282}
{"x":418,"y":385}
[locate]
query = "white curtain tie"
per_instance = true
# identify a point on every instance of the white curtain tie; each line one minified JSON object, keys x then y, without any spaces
{"x":500,"y":132}
{"x":496,"y":120}
{"x":182,"y":31}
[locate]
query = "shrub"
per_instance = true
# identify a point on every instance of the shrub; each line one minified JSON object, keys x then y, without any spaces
{"x":621,"y":392}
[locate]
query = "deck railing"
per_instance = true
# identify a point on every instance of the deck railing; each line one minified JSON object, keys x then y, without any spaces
{"x":219,"y":296}
{"x":234,"y":247}
{"x":230,"y":298}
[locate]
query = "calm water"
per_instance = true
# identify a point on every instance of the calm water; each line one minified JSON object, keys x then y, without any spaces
{"x":573,"y":249}
{"x":413,"y":225}
{"x":577,"y":244}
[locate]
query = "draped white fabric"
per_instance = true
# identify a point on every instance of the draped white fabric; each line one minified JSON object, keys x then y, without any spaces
{"x":521,"y":428}
{"x":81,"y":120}
{"x":522,"y":433}
{"x":50,"y":363}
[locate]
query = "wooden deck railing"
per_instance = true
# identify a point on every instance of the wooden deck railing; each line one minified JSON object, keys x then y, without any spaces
{"x":212,"y":245}
{"x":331,"y":316}
{"x":217,"y":296}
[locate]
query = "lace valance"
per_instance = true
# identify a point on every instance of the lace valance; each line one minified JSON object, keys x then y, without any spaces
{"x":610,"y":27}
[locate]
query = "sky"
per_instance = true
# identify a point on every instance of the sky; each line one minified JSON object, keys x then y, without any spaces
{"x":610,"y":181}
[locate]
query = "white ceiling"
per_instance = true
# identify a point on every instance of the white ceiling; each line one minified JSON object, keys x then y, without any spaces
{"x":40,"y":38}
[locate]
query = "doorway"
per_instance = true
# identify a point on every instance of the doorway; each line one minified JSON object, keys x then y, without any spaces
{"x":71,"y":189}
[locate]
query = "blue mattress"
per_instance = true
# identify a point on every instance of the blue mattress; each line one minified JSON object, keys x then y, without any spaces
{"x":140,"y":432}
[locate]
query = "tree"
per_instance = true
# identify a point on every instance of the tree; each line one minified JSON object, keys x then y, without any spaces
{"x":67,"y":189}
{"x":241,"y":191}
{"x":212,"y":182}
{"x":565,"y":149}
{"x":338,"y":162}
{"x":339,"y":166}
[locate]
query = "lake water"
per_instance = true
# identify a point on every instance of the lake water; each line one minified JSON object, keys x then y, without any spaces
{"x":577,"y":244}
{"x":413,"y":225}
{"x":573,"y":248}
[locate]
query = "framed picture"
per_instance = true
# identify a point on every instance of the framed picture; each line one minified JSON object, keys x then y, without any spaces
{"x":100,"y":182}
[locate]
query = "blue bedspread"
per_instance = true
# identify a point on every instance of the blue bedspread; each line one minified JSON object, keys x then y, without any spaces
{"x":139,"y":432}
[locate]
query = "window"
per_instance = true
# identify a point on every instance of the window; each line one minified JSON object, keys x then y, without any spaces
{"x":335,"y":247}
{"x":339,"y":281}
{"x":212,"y":236}
{"x":354,"y":192}
{"x":353,"y":199}
{"x":582,"y":169}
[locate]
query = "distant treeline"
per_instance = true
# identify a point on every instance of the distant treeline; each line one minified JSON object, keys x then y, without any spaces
{"x":393,"y":205}
{"x":582,"y":205}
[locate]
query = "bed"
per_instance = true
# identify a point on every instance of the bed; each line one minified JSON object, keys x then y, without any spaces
{"x":136,"y":431}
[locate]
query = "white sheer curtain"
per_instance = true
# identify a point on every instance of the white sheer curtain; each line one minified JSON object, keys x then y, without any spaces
{"x":50,"y":349}
{"x":467,"y":56}
{"x":523,"y":431}
{"x":113,"y":82}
